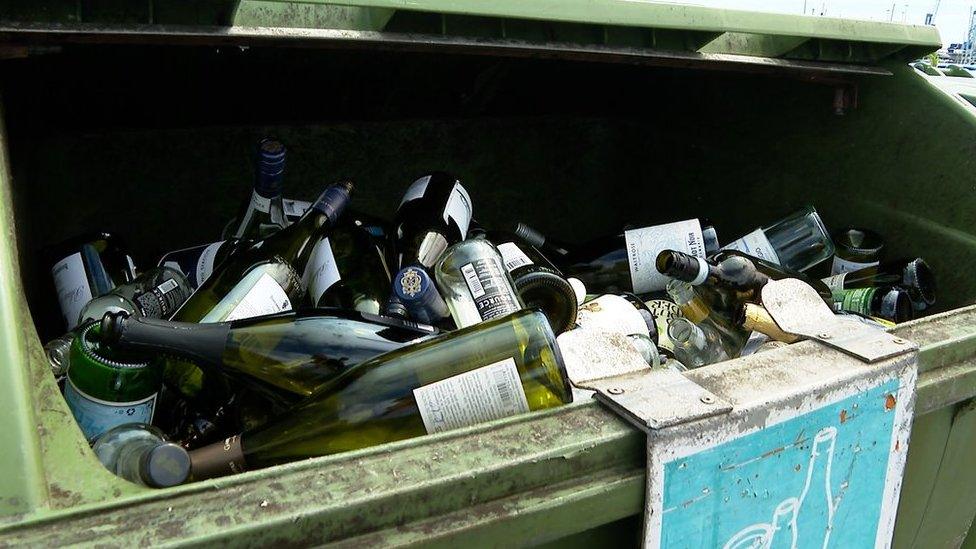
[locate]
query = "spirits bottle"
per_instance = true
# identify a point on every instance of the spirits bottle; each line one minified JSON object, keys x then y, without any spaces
{"x":153,"y":294}
{"x":471,"y":276}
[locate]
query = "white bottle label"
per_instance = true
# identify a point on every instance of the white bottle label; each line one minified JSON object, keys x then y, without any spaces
{"x":322,"y":271}
{"x":835,"y":282}
{"x":95,"y":416}
{"x":643,"y":246}
{"x":755,"y":244}
{"x":841,"y":265}
{"x":664,"y":311}
{"x":295,"y":208}
{"x":611,"y":313}
{"x":513,"y":256}
{"x":490,"y":392}
{"x":415,"y":190}
{"x":459,"y":209}
{"x":132,"y":267}
{"x":263,"y":296}
{"x":205,"y":264}
{"x":260,"y":203}
{"x":71,"y":283}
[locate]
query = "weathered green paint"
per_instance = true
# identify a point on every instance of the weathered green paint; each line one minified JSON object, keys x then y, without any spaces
{"x":269,"y":13}
{"x":718,"y":140}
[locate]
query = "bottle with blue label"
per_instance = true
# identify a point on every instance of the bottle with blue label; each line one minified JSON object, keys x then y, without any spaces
{"x":107,"y":388}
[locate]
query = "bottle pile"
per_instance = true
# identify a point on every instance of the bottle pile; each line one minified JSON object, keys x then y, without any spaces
{"x":313,"y":328}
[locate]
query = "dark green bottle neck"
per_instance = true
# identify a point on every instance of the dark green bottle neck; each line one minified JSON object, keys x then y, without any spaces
{"x":203,"y":344}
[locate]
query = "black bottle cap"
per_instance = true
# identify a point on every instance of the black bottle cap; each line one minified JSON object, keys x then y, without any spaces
{"x":165,"y":465}
{"x":110,"y":327}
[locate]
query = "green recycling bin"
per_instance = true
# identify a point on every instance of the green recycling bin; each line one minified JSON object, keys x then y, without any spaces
{"x":575,"y":118}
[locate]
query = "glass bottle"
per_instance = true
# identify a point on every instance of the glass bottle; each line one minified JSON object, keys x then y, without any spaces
{"x":154,"y":294}
{"x":756,"y":318}
{"x":471,"y":276}
{"x":798,"y":241}
{"x":264,"y":213}
{"x":624,"y":314}
{"x":434,"y":213}
{"x":293,"y":352}
{"x":697,"y":310}
{"x":856,"y":249}
{"x":695,"y":345}
{"x":914,"y":275}
{"x":887,"y":302}
{"x":87,"y":267}
{"x":197,"y":263}
{"x":106,"y":387}
{"x":140,"y":453}
{"x":487,"y":371}
{"x":625,"y":262}
{"x":357,"y":275}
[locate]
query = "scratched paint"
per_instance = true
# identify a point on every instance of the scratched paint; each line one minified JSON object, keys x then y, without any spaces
{"x":816,"y":480}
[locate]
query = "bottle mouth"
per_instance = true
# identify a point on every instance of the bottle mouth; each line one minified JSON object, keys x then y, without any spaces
{"x":896,"y":306}
{"x":559,"y":306}
{"x":90,"y":345}
{"x":920,"y":279}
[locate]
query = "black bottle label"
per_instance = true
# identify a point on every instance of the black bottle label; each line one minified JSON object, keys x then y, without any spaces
{"x":492,"y":294}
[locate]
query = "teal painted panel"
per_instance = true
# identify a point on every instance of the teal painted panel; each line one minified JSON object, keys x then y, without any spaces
{"x":817,"y":480}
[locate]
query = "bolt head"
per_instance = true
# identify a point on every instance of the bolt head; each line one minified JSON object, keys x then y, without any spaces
{"x":823,"y":335}
{"x":615,"y":391}
{"x":899,"y":341}
{"x":707,"y":399}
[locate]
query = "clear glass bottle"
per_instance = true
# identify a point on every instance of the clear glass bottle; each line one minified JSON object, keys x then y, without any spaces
{"x":197,"y":263}
{"x":154,"y":294}
{"x":140,"y":453}
{"x":695,"y":309}
{"x":472,"y":277}
{"x":798,"y":241}
{"x":695,"y":346}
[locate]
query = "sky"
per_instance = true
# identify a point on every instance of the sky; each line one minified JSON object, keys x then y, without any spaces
{"x":952,"y":18}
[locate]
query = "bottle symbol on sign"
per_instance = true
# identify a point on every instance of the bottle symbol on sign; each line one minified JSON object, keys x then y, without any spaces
{"x":815,"y":505}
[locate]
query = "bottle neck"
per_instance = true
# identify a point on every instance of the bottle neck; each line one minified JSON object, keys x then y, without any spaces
{"x":684,"y":296}
{"x":686,"y":335}
{"x":201,"y":343}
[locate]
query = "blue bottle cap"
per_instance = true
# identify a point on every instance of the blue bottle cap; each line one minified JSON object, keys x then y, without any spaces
{"x":333,"y":200}
{"x":415,"y":289}
{"x":270,"y":168}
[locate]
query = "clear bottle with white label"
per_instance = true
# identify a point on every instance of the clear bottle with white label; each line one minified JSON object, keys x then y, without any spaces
{"x":86,"y":267}
{"x":625,"y":262}
{"x":488,"y":371}
{"x":199,"y":262}
{"x":264,"y":278}
{"x":472,"y":278}
{"x":624,"y":314}
{"x":264,"y":212}
{"x":798,"y":241}
{"x":154,"y":294}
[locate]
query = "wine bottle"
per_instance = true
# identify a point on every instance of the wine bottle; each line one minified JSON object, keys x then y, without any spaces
{"x":154,"y":294}
{"x":352,"y":270}
{"x":263,"y":278}
{"x":106,"y":387}
{"x":888,"y":302}
{"x":295,"y":353}
{"x":434,"y":213}
{"x":538,"y":282}
{"x":472,"y":278}
{"x":88,"y":267}
{"x":756,"y":318}
{"x":694,"y":308}
{"x":798,"y":241}
{"x":140,"y":453}
{"x":856,"y":249}
{"x":264,"y":213}
{"x":695,"y":345}
{"x":730,"y":278}
{"x":198,"y":262}
{"x":624,"y":314}
{"x":915,"y":276}
{"x":415,"y":293}
{"x":487,"y":371}
{"x":625,"y":262}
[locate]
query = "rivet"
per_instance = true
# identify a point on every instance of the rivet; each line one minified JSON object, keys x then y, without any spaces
{"x":899,"y":341}
{"x":823,"y":335}
{"x":708,"y":399}
{"x":615,"y":391}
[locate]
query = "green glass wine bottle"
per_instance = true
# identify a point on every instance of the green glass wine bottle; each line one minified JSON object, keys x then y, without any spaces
{"x":487,"y":371}
{"x":351,"y":269}
{"x":294,"y":353}
{"x":262,"y":279}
